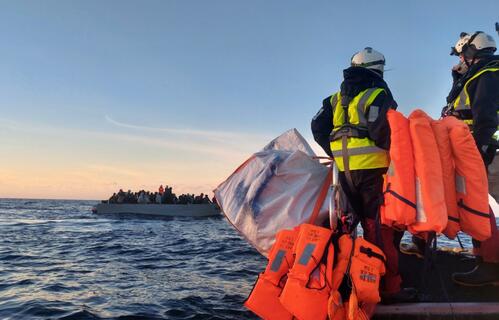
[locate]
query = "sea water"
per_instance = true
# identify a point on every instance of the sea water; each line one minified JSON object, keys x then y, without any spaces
{"x":60,"y":261}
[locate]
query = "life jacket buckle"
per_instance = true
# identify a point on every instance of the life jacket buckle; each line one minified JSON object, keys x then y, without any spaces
{"x":350,"y":131}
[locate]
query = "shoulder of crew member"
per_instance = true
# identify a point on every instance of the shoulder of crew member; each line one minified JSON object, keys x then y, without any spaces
{"x":485,"y":84}
{"x":384,"y":101}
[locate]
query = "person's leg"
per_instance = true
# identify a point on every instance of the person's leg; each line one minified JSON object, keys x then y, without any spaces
{"x":388,"y":239}
{"x":488,"y":250}
{"x":350,"y":200}
{"x":493,"y":178}
{"x":382,"y":236}
{"x":487,"y":270}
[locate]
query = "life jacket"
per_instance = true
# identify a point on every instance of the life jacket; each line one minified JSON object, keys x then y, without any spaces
{"x":264,"y":298}
{"x":361,"y":264}
{"x":471,"y":181}
{"x":351,"y":146}
{"x":306,"y":292}
{"x":463,"y":102}
{"x":399,"y":205}
{"x":441,"y":133}
{"x":431,"y":213}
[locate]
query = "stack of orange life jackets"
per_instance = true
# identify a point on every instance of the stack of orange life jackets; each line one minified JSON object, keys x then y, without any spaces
{"x":436,"y":180}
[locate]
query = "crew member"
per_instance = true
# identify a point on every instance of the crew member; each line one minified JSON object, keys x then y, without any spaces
{"x":474,"y":98}
{"x":352,"y":128}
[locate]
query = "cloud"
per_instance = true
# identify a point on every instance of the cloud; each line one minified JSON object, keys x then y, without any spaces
{"x":207,"y":134}
{"x":201,"y":142}
{"x":219,"y":143}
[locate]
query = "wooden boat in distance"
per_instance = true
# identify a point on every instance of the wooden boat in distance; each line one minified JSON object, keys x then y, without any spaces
{"x":163,"y":210}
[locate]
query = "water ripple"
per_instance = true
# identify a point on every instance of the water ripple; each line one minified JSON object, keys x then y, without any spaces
{"x":60,"y":261}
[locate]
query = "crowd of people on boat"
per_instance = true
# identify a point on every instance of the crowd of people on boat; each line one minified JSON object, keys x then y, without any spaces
{"x":164,"y":195}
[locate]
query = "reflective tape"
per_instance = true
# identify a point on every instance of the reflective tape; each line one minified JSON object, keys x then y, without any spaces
{"x":358,"y":151}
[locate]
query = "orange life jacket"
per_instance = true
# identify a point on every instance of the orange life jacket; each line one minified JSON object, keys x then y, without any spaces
{"x":307,"y":288}
{"x":431,"y":213}
{"x":264,"y":298}
{"x":441,"y":133}
{"x":399,"y":207}
{"x":363,"y":264}
{"x":471,"y":181}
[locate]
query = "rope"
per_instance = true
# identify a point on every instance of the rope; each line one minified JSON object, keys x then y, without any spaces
{"x":460,"y":243}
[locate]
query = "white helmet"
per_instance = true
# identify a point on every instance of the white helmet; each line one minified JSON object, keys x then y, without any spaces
{"x":475,"y":45}
{"x":370,"y":59}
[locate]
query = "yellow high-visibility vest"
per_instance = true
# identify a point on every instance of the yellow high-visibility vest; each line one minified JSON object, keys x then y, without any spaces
{"x":462,"y":102}
{"x":350,"y":134}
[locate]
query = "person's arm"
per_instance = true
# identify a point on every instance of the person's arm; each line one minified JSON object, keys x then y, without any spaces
{"x":484,"y":99}
{"x":322,"y":125}
{"x":377,"y":123}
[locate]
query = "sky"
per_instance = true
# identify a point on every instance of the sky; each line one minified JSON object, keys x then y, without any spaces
{"x":101,"y":95}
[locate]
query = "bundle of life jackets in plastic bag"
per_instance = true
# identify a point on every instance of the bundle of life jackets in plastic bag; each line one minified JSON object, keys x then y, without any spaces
{"x":274,"y":189}
{"x":436,"y":181}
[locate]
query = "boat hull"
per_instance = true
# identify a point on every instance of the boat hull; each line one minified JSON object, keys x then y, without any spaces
{"x":164,"y":210}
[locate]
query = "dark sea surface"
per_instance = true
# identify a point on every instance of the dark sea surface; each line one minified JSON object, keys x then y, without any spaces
{"x":60,"y":261}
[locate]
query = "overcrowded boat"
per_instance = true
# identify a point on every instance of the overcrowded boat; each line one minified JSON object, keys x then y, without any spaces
{"x":163,"y":202}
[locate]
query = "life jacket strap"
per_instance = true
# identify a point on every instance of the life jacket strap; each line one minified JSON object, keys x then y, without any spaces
{"x":322,"y":196}
{"x":346,"y":163}
{"x":371,"y":254}
{"x":399,"y":197}
{"x":350,"y":131}
{"x":471,"y":210}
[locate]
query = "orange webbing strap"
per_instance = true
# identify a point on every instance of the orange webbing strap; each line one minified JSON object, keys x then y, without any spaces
{"x":322,"y":196}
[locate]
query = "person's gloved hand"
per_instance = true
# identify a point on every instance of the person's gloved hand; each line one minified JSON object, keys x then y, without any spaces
{"x":459,"y":70}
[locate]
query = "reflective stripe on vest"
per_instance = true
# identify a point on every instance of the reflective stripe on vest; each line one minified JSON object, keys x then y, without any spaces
{"x":362,"y":151}
{"x":463,"y":102}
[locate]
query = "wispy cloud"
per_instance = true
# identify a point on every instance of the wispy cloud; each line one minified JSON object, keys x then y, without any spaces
{"x":225,"y":145}
{"x":206,"y":134}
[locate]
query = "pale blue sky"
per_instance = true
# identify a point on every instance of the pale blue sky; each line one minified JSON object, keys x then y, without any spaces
{"x":135,"y":85}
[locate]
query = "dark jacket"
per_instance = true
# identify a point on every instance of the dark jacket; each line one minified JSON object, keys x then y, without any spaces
{"x":356,"y":80}
{"x":484,"y":100}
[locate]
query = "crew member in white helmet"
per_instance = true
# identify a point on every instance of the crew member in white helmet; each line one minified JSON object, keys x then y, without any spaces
{"x":352,"y":128}
{"x":474,"y":98}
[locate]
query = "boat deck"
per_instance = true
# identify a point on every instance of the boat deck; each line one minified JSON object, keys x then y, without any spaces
{"x":439,"y":310}
{"x":440,"y":297}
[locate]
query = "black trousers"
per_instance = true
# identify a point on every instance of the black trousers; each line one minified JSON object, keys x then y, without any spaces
{"x":365,"y":200}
